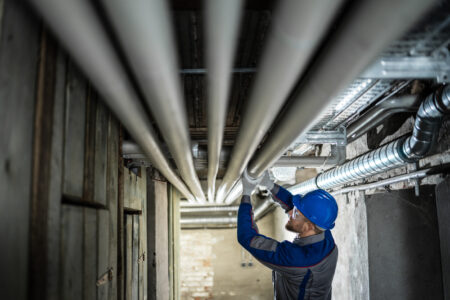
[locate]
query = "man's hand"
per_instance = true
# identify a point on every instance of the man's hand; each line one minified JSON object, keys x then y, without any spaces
{"x":249,"y":183}
{"x":267,"y":181}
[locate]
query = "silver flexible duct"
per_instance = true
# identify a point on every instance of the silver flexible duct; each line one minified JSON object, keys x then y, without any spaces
{"x":145,"y":32}
{"x":77,"y":26}
{"x":222,"y":27}
{"x":392,"y":155}
{"x":366,"y":29}
{"x":298,"y":28}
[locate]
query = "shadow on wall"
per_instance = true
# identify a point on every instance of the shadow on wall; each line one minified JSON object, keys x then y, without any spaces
{"x":403,"y":239}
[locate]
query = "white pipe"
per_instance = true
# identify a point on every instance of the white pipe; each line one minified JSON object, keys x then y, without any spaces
{"x":145,"y":32}
{"x":298,"y":28}
{"x":222,"y":27}
{"x":367,"y":28}
{"x":77,"y":26}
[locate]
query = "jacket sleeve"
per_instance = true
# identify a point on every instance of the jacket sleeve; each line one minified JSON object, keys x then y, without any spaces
{"x":268,"y":251}
{"x":283,"y":197}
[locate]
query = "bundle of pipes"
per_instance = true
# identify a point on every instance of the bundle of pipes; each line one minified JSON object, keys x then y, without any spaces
{"x":356,"y":42}
{"x":299,"y":27}
{"x":392,"y":155}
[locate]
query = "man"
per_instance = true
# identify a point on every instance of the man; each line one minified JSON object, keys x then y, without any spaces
{"x":303,"y":269}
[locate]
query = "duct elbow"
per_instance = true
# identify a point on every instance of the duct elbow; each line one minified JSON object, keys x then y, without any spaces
{"x":427,"y":123}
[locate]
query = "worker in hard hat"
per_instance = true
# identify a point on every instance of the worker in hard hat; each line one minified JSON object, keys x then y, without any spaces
{"x":303,"y":268}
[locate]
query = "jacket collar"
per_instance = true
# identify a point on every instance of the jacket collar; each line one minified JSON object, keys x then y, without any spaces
{"x":309,"y":239}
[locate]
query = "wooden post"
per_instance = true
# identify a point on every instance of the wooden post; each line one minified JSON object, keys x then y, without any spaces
{"x":157,"y":237}
{"x":19,"y":55}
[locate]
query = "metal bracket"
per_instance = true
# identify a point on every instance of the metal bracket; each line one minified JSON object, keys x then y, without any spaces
{"x":107,"y":276}
{"x":338,"y":137}
{"x":437,"y":66}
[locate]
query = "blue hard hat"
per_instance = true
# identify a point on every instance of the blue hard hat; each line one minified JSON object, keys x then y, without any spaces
{"x":319,"y":207}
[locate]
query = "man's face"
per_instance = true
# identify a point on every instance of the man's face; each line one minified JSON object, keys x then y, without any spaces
{"x":297,"y":221}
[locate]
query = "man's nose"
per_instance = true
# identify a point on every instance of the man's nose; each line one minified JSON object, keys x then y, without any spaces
{"x":290,"y":213}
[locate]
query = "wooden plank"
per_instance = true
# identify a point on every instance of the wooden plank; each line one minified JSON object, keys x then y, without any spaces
{"x":120,"y":225}
{"x":19,"y":49}
{"x":174,"y":242}
{"x":90,"y":254}
{"x":143,"y":261}
{"x":43,"y":126}
{"x":162,"y":242}
{"x":113,"y":197}
{"x":135,"y":258}
{"x":89,"y":147}
{"x":443,"y":211}
{"x":71,"y":252}
{"x":128,"y":256}
{"x":101,"y":146}
{"x":157,"y":240}
{"x":103,"y":252}
{"x":75,"y":117}
{"x":54,"y":202}
{"x":134,"y":189}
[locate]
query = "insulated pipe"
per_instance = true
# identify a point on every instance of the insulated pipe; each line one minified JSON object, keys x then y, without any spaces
{"x":380,"y":112}
{"x":338,"y":155}
{"x":364,"y":31}
{"x":392,"y":155}
{"x":298,"y":28}
{"x":76,"y":25}
{"x":145,"y":32}
{"x":409,"y":176}
{"x":259,"y":211}
{"x":209,"y":209}
{"x":222,"y":27}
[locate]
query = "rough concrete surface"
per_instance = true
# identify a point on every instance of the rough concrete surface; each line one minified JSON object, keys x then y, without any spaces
{"x":404,"y":253}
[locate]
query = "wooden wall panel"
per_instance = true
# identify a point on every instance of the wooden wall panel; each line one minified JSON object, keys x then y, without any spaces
{"x":134,"y":189}
{"x":54,"y":201}
{"x":103,"y":246}
{"x":71,"y":252}
{"x":128,"y":256}
{"x":113,"y":197}
{"x":135,"y":259}
{"x":157,"y":240}
{"x":19,"y":49}
{"x":90,"y":253}
{"x":74,"y":135}
{"x":101,"y":151}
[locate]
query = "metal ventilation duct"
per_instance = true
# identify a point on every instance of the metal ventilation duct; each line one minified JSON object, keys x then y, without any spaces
{"x":392,"y":155}
{"x":369,"y":26}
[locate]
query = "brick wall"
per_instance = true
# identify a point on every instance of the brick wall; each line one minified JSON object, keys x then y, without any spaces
{"x":211,"y":266}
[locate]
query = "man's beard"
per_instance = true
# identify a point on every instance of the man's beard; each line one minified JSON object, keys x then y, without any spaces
{"x":289,"y":227}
